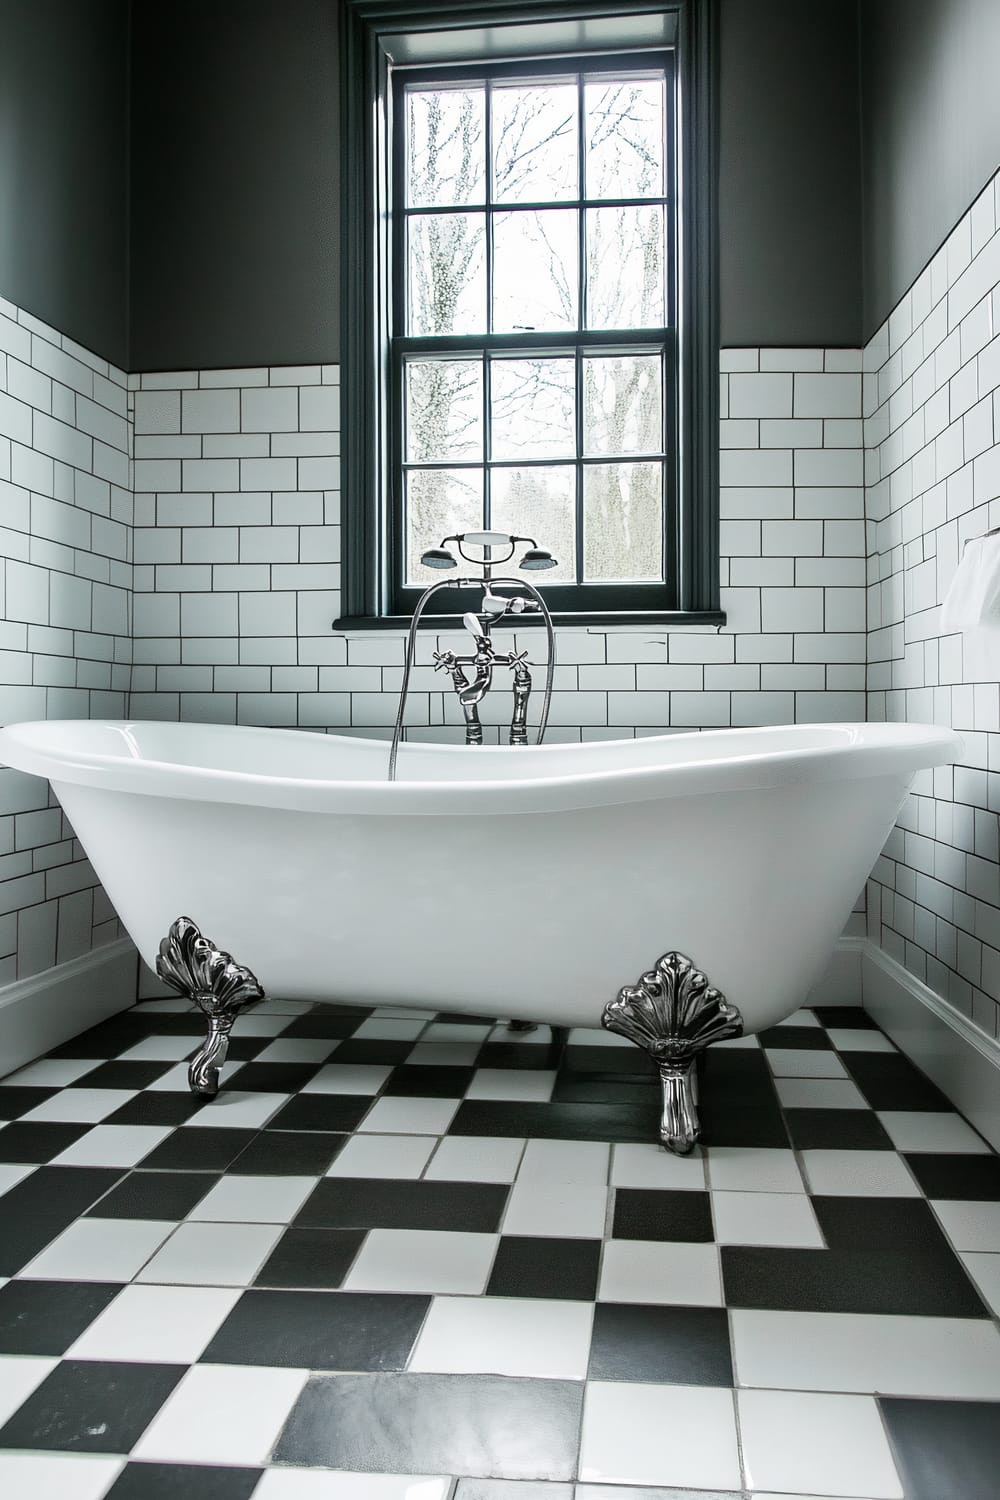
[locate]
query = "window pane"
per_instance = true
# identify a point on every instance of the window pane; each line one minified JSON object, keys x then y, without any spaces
{"x":625,"y":267}
{"x":540,"y":503}
{"x":624,"y":134}
{"x":447,"y":273}
{"x":445,"y":147}
{"x":534,"y":403}
{"x":534,"y":270}
{"x":535,"y":143}
{"x":439,"y":502}
{"x":622,"y":523}
{"x":622,"y":404}
{"x":444,"y":409}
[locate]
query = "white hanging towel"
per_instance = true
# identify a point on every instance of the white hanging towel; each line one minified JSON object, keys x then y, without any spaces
{"x":973,"y":599}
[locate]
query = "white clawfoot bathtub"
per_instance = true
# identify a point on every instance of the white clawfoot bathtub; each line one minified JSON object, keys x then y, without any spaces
{"x":529,"y":883}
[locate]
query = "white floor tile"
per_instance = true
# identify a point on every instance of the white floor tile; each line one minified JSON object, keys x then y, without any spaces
{"x":222,"y":1414}
{"x":297,"y":1049}
{"x":404,"y":1116}
{"x":347,"y":1078}
{"x":57,"y":1476}
{"x":872,"y":1174}
{"x":740,"y":1043}
{"x":384,"y":1028}
{"x":794,"y":1440}
{"x":644,"y":1271}
{"x":476,"y":1158}
{"x":53,"y":1072}
{"x":819,"y":1093}
{"x":383,"y":1156}
{"x":984,"y":1269}
{"x":970,"y":1226}
{"x":260,"y":1023}
{"x":596,"y":1036}
{"x":565,"y":1161}
{"x":571,"y":1210}
{"x":329,"y":1484}
{"x":649,"y":1166}
{"x":422,"y":1260}
{"x":80,"y":1104}
{"x":445,"y":1054}
{"x":175,"y":1079}
{"x":765,"y":1219}
{"x":99,"y":1250}
{"x":241,"y":1111}
{"x":160,"y":1049}
{"x":457,"y":1031}
{"x":804,"y":1062}
{"x":20,"y":1375}
{"x":269,"y":1007}
{"x":533,"y":1084}
{"x":11,"y":1173}
{"x":859,"y":1039}
{"x":156,"y":1324}
{"x":254,"y":1200}
{"x":213,"y":1254}
{"x":931,"y":1130}
{"x":948,"y":1358}
{"x":543,"y":1340}
{"x":113,"y":1146}
{"x":673,"y":1435}
{"x":754,"y":1169}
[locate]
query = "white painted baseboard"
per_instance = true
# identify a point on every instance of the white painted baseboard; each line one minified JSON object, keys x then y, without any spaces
{"x":48,"y":1008}
{"x":962,"y":1060}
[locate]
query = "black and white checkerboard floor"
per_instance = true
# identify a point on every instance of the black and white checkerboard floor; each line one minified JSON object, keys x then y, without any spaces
{"x":400,"y":1252}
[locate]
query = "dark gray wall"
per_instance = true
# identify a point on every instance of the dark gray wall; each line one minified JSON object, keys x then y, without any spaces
{"x":789,"y":173}
{"x":64,"y":166}
{"x":931,"y":116}
{"x":234,"y":183}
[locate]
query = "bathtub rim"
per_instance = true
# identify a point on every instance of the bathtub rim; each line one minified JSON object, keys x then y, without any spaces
{"x":860,"y":750}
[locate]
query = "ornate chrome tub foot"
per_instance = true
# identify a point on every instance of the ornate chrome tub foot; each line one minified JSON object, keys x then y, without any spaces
{"x":674,"y":1013}
{"x":191,"y":964}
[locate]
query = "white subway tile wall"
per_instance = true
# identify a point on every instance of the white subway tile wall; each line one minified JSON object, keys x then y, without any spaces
{"x":932,"y":457}
{"x":65,"y":617}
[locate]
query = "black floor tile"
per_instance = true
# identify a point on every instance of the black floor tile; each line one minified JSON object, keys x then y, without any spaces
{"x":889,"y":1080}
{"x":310,"y":1330}
{"x":87,"y":1406}
{"x":915,"y":1281}
{"x":315,"y":1258}
{"x":844,"y":1016}
{"x":725,"y":1124}
{"x":45,"y":1317}
{"x":878,"y":1223}
{"x":594,"y":1088}
{"x":560,"y":1122}
{"x":381,"y":1051}
{"x":246,"y":1048}
{"x":835,"y":1130}
{"x":123,"y":1075}
{"x":430,"y":1081}
{"x":329,"y":1112}
{"x":45,"y":1204}
{"x":968,"y":1177}
{"x":154,"y":1195}
{"x":736,"y":1078}
{"x":199,"y":1148}
{"x":104,"y":1041}
{"x":138,"y":1481}
{"x":272,"y":1078}
{"x":323,"y":1025}
{"x":610,"y":1059}
{"x":519,"y":1055}
{"x":803,"y":1038}
{"x":283,"y":1153}
{"x":157,"y":1107}
{"x":489,"y":1425}
{"x":945,"y":1450}
{"x":387,"y":1203}
{"x":649,"y":1214}
{"x":668,"y":1345}
{"x":17,"y":1099}
{"x":41,"y":1140}
{"x":531,"y":1266}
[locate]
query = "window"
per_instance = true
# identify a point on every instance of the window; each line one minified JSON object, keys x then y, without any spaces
{"x":533,"y":348}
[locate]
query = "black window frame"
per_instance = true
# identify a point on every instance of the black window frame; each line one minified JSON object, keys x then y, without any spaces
{"x":371,"y":304}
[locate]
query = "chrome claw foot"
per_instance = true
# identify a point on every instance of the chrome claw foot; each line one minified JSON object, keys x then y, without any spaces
{"x":191,"y":964}
{"x":674,"y":1014}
